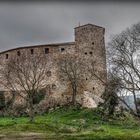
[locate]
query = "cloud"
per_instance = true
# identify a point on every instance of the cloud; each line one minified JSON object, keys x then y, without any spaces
{"x":24,"y":24}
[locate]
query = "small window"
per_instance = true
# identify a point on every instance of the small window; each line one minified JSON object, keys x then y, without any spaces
{"x":85,"y":53}
{"x":48,"y":73}
{"x":6,"y":56}
{"x":92,"y":43}
{"x":86,"y":79}
{"x":53,"y":86}
{"x":46,"y":50}
{"x":32,"y":51}
{"x":18,"y":53}
{"x":48,"y":87}
{"x":62,"y":49}
{"x":93,"y":88}
{"x":90,"y":53}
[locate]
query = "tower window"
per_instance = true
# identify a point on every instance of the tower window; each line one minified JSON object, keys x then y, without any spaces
{"x":92,"y":43}
{"x":90,"y":53}
{"x":18,"y":53}
{"x":53,"y":86}
{"x":6,"y":56}
{"x":48,"y":73}
{"x":32,"y":51}
{"x":46,"y":50}
{"x":62,"y":49}
{"x":85,"y":53}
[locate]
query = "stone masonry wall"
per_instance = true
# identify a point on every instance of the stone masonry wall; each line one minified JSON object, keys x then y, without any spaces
{"x":89,"y":44}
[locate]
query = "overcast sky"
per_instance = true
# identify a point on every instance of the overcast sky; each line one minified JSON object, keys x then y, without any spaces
{"x":24,"y":24}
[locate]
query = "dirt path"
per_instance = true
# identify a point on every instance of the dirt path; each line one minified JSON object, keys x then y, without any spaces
{"x":24,"y":136}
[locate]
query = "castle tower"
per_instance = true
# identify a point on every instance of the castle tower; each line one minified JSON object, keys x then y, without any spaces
{"x":89,"y":41}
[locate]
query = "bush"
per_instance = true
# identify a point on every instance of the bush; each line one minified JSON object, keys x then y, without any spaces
{"x":110,"y":96}
{"x":39,"y":96}
{"x":20,"y":110}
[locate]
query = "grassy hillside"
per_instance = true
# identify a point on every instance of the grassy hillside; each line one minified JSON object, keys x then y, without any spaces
{"x":71,"y":124}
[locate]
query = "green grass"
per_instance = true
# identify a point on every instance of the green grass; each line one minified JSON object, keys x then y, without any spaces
{"x":72,"y":124}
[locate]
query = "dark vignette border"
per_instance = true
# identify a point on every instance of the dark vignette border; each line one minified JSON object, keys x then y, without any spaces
{"x":69,"y":1}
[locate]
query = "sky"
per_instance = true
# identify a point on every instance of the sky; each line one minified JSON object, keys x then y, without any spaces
{"x":25,"y":24}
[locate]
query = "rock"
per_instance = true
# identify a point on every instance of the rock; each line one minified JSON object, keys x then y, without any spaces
{"x":90,"y":100}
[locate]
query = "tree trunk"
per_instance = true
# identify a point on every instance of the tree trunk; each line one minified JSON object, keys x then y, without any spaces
{"x":31,"y":111}
{"x":131,"y":110}
{"x":135,"y":101}
{"x":74,"y":95}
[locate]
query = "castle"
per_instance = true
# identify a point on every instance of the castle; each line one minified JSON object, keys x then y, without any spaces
{"x":89,"y":43}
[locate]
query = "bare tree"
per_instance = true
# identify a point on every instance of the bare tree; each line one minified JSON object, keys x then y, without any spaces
{"x":124,"y":63}
{"x":25,"y":74}
{"x":111,"y":87}
{"x":95,"y":73}
{"x":71,"y":71}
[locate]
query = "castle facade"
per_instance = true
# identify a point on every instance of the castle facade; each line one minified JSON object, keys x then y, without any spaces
{"x":89,"y":43}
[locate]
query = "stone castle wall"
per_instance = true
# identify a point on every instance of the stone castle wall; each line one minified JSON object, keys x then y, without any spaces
{"x":89,"y":44}
{"x":89,"y":40}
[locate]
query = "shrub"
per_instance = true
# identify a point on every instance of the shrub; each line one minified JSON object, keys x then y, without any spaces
{"x":20,"y":110}
{"x":39,"y":96}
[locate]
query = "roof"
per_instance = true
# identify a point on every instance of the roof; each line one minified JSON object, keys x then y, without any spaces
{"x":42,"y":45}
{"x":90,"y":25}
